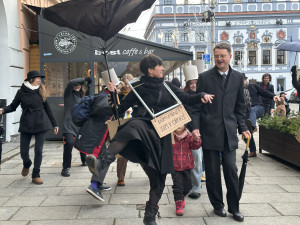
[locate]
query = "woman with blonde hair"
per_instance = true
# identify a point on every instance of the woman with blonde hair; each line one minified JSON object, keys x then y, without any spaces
{"x":36,"y":119}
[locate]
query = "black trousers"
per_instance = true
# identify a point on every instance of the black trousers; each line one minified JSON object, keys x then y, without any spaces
{"x":38,"y":151}
{"x":69,"y":141}
{"x":213,"y":178}
{"x":157,"y":184}
{"x":182,"y":184}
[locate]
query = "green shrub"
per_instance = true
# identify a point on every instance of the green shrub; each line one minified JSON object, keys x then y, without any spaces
{"x":285,"y":125}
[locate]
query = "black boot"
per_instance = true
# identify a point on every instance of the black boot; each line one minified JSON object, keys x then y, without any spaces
{"x":150,"y":213}
{"x":95,"y":165}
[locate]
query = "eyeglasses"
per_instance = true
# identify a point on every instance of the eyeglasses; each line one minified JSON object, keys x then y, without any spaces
{"x":220,"y":56}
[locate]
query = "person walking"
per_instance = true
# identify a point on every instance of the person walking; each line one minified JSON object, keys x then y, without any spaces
{"x":256,"y":109}
{"x":183,"y":164}
{"x":218,"y":124}
{"x":73,"y":93}
{"x":191,"y":78}
{"x":295,"y":82}
{"x":36,"y":120}
{"x":121,"y":161}
{"x":267,"y":103}
{"x":137,"y":140}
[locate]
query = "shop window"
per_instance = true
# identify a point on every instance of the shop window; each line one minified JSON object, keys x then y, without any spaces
{"x":280,"y":84}
{"x":280,"y":59}
{"x":200,"y":55}
{"x":251,"y":0}
{"x":266,"y":57}
{"x":252,"y":58}
{"x":167,"y":2}
{"x":238,"y":57}
{"x":59,"y":74}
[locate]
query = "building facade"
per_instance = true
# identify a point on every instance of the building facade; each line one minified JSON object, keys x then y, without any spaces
{"x":18,"y":43}
{"x":254,"y":28}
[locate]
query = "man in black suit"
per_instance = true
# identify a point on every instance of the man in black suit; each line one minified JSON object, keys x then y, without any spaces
{"x":218,"y":126}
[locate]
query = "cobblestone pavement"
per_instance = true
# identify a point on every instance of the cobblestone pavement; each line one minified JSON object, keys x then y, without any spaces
{"x":271,"y":194}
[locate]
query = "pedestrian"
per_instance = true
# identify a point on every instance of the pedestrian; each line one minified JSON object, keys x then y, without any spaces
{"x":218,"y":125}
{"x":176,"y":82}
{"x":36,"y":120}
{"x":1,"y":136}
{"x":267,"y":103}
{"x":191,"y":78}
{"x":121,"y":161}
{"x":256,"y":109}
{"x":280,"y":106}
{"x":295,"y":82}
{"x":137,"y":140}
{"x":73,"y":93}
{"x":183,"y":164}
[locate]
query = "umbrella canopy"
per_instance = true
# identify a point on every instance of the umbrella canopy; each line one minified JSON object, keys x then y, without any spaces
{"x":100,"y":18}
{"x":290,"y":46}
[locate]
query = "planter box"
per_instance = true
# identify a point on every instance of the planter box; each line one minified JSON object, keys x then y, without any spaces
{"x":283,"y":146}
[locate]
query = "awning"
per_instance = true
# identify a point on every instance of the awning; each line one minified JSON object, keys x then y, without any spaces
{"x":59,"y":44}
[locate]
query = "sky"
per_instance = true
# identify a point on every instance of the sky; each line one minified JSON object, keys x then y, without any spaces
{"x":138,"y":28}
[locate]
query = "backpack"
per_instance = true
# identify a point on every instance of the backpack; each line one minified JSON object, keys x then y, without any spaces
{"x":81,"y":110}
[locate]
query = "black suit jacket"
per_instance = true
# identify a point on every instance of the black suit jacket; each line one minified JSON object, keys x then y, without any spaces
{"x":226,"y":113}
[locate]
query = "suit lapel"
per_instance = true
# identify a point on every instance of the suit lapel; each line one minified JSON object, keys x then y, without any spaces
{"x":217,"y":79}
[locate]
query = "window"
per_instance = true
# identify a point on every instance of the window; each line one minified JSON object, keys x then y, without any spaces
{"x":266,"y":58}
{"x":252,"y":58}
{"x":251,"y":0}
{"x":280,"y":57}
{"x":199,"y":37}
{"x":237,"y":1}
{"x":200,"y":55}
{"x":238,"y":58}
{"x":184,"y":37}
{"x":168,"y":37}
{"x":168,"y":2}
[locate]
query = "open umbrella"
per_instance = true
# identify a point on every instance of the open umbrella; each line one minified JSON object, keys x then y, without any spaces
{"x":100,"y":18}
{"x":243,"y":169}
{"x":290,"y":46}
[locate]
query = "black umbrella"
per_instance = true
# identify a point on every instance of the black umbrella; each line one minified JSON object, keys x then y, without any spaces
{"x":243,"y":169}
{"x":100,"y":18}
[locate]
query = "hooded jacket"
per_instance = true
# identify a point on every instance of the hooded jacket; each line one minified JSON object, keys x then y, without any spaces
{"x":182,"y":151}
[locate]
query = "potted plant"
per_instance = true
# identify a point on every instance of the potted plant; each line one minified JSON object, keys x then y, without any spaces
{"x":278,"y":136}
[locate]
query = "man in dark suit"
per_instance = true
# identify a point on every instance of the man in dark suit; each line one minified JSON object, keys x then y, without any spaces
{"x":218,"y":126}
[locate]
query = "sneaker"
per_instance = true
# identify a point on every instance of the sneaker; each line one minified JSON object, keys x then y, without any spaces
{"x":65,"y":172}
{"x":194,"y":195}
{"x":104,"y":188}
{"x":92,"y":164}
{"x":95,"y":193}
{"x":121,"y":183}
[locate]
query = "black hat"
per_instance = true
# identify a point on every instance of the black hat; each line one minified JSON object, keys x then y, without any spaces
{"x":176,"y":82}
{"x":33,"y":74}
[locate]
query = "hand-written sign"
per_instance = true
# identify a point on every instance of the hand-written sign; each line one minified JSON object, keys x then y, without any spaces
{"x":170,"y":121}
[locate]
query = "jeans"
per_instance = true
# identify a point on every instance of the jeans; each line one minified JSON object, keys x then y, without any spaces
{"x":38,"y":150}
{"x":196,"y":172}
{"x":256,"y":112}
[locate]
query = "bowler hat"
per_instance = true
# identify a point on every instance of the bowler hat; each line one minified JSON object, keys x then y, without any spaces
{"x":33,"y":74}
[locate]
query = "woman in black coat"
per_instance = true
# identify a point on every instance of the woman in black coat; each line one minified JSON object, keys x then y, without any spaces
{"x":137,"y":140}
{"x":73,"y":93}
{"x":36,"y":119}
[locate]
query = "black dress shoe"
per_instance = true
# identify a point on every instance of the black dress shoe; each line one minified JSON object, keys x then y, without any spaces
{"x":238,"y":216}
{"x":220,"y":212}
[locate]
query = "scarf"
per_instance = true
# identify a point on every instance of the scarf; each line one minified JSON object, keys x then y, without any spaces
{"x":31,"y":87}
{"x":182,"y":135}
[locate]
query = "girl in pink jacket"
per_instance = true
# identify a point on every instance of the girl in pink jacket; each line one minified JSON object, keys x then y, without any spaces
{"x":183,"y":163}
